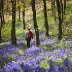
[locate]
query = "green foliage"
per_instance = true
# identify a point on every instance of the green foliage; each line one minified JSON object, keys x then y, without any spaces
{"x":40,"y":46}
{"x":69,"y":54}
{"x":49,"y":47}
{"x":7,"y":59}
{"x":19,"y":52}
{"x":53,"y":28}
{"x":59,"y":61}
{"x":6,"y":32}
{"x":8,"y":19}
{"x":69,"y":8}
{"x":2,"y":64}
{"x":45,"y":64}
{"x":20,"y":32}
{"x":62,"y":44}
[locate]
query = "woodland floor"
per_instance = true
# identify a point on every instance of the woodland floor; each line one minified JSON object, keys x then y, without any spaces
{"x":21,"y":59}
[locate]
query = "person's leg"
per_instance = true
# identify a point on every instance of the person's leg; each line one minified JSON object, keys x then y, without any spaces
{"x":29,"y":43}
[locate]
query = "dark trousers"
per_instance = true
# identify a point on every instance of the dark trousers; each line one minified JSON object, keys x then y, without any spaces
{"x":28,"y":43}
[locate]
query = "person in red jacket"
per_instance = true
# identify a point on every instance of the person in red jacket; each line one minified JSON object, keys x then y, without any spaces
{"x":29,"y":36}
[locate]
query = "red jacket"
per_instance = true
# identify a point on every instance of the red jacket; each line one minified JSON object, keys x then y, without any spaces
{"x":29,"y":35}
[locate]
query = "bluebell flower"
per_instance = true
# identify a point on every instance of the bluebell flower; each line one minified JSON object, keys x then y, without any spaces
{"x":12,"y":66}
{"x":61,"y":69}
{"x":38,"y":69}
{"x":69,"y":65}
{"x":2,"y":69}
{"x":52,"y":67}
{"x":65,"y":62}
{"x":25,"y":68}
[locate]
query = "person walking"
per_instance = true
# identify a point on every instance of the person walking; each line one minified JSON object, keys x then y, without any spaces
{"x":29,"y":36}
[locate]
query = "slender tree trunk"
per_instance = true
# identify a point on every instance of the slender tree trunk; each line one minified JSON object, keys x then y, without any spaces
{"x":60,"y":20}
{"x":35,"y":23}
{"x":0,"y":21}
{"x":64,"y":6}
{"x":45,"y":18}
{"x":53,"y":9}
{"x":19,"y":12}
{"x":0,"y":35}
{"x":62,"y":12}
{"x":13,"y":33}
{"x":1,"y":13}
{"x":2,"y":5}
{"x":24,"y":19}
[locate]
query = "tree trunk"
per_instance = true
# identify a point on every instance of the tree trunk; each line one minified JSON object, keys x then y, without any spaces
{"x":60,"y":20}
{"x":64,"y":6}
{"x":0,"y":35}
{"x":2,"y":9}
{"x":45,"y":18}
{"x":0,"y":29}
{"x":13,"y":33}
{"x":0,"y":21}
{"x":24,"y":19}
{"x":53,"y":9}
{"x":19,"y":12}
{"x":35,"y":23}
{"x":62,"y":9}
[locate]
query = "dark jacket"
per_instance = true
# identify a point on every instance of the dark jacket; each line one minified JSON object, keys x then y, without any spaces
{"x":29,"y":35}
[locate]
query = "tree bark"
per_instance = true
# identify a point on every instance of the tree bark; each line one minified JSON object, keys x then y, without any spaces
{"x":45,"y":18}
{"x":13,"y":33}
{"x":0,"y":35}
{"x":64,"y":6}
{"x":62,"y":12}
{"x":60,"y":20}
{"x":19,"y":12}
{"x":2,"y":9}
{"x":0,"y":21}
{"x":24,"y":19}
{"x":35,"y":23}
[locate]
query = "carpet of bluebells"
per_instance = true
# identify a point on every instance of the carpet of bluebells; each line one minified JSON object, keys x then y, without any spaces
{"x":49,"y":57}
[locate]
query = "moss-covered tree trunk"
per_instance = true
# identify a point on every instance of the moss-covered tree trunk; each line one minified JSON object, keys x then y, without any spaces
{"x":45,"y":18}
{"x":24,"y":19}
{"x":13,"y":33}
{"x":60,"y":19}
{"x":35,"y":23}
